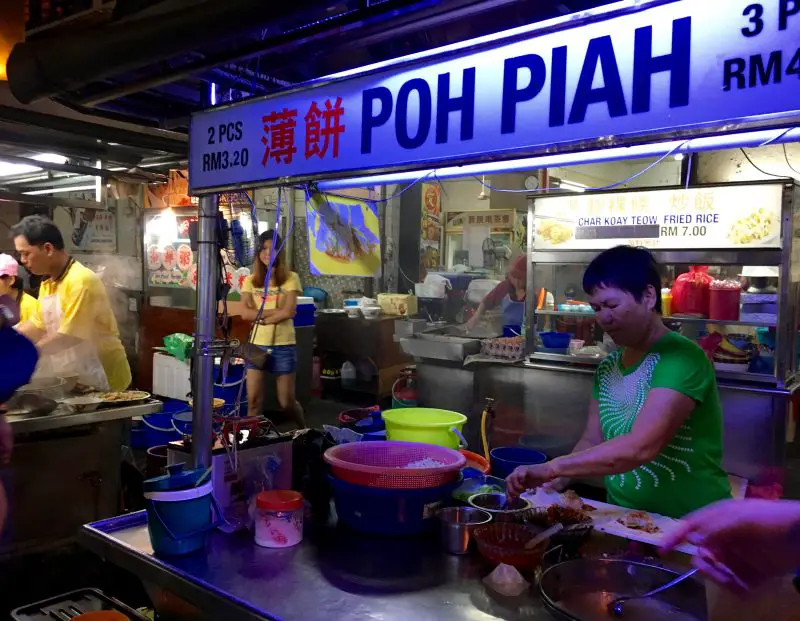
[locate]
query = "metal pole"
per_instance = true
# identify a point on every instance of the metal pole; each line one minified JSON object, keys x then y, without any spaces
{"x":203,"y":391}
{"x":290,"y":203}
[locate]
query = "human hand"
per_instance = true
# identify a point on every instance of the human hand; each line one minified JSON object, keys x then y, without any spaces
{"x":558,"y":484}
{"x":742,"y":543}
{"x":529,"y":477}
{"x":6,"y":439}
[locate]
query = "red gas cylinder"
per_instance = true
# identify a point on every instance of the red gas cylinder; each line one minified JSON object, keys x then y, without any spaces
{"x":404,"y":391}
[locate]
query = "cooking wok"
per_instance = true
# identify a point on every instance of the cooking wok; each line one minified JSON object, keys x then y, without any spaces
{"x":580,"y":590}
{"x":30,"y":404}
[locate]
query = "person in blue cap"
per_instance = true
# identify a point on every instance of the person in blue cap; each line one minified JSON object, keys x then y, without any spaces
{"x":18,"y":358}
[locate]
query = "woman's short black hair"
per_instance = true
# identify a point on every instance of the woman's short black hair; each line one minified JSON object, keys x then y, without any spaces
{"x":38,"y":231}
{"x":626,"y":268}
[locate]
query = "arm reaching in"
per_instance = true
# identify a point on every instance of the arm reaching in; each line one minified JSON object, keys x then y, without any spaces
{"x":656,"y":424}
{"x":592,"y":436}
{"x":743,"y":542}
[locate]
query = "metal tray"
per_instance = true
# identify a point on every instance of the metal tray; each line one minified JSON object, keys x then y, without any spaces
{"x":436,"y":347}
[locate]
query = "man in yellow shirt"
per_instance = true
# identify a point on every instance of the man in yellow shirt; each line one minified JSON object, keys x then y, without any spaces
{"x":74,"y":327}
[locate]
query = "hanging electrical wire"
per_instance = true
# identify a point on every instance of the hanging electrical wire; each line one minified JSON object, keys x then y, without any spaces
{"x":788,"y":163}
{"x":777,"y":137}
{"x":761,"y":170}
{"x":688,"y":171}
{"x":603,"y":187}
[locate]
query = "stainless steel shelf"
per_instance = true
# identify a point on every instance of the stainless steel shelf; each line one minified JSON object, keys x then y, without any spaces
{"x":593,"y":361}
{"x":698,"y":320}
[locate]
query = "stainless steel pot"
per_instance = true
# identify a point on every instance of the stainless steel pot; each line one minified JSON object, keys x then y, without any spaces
{"x":580,"y":590}
{"x":458,"y":525}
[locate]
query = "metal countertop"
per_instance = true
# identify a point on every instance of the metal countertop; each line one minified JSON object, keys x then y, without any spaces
{"x":61,"y":419}
{"x":331,"y":575}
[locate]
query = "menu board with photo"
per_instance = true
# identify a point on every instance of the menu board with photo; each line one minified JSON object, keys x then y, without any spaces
{"x":735,"y":216}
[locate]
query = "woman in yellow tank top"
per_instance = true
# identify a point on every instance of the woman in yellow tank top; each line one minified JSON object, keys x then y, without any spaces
{"x":273,"y":329}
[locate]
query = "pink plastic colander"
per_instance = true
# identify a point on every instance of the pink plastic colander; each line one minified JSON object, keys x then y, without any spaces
{"x":385,"y":464}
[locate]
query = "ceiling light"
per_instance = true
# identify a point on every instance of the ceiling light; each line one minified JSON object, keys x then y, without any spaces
{"x":77,"y":188}
{"x":52,"y":158}
{"x":678,"y":157}
{"x":8,"y":169}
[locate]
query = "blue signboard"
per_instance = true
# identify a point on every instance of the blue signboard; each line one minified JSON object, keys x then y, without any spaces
{"x":665,"y":66}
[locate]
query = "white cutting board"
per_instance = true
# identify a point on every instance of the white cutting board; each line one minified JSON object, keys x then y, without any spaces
{"x":605,"y":517}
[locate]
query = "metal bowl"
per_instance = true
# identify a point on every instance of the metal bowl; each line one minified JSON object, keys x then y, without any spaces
{"x":86,"y":403}
{"x":505,"y":543}
{"x":501,"y":507}
{"x":48,"y":387}
{"x":580,"y":590}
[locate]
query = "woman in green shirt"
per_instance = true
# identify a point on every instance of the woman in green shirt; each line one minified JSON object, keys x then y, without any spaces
{"x":655,"y":420}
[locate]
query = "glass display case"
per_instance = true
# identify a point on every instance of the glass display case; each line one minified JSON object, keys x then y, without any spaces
{"x":729,"y":263}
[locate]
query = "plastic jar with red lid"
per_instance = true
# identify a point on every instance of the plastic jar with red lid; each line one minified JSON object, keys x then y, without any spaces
{"x":279,"y":518}
{"x":724,"y":300}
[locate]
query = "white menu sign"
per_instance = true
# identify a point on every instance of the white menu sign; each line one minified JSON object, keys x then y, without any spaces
{"x":736,"y":216}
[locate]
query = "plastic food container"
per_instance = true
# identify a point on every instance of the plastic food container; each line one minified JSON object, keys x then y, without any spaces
{"x":279,"y":519}
{"x":666,"y":302}
{"x":556,"y":340}
{"x":724,"y":300}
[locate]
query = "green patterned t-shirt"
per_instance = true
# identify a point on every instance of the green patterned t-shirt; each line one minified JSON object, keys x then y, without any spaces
{"x":688,"y":473}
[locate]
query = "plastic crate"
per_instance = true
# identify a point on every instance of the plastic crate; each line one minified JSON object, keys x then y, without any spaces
{"x":70,"y":605}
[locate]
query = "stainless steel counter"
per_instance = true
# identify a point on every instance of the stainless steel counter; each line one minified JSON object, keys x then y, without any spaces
{"x":331,"y":575}
{"x":61,"y":419}
{"x":67,"y":461}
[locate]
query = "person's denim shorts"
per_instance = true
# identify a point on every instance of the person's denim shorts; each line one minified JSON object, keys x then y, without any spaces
{"x":282,"y":360}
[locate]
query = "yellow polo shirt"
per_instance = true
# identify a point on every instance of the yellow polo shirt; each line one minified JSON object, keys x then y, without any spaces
{"x":28,"y":307}
{"x":86,"y":314}
{"x":282,"y":333}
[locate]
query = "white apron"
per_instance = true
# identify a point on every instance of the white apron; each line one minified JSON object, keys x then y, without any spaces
{"x":81,"y":360}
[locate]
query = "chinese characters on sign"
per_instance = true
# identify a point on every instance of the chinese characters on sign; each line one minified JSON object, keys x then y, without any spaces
{"x":499,"y":220}
{"x":323,"y":127}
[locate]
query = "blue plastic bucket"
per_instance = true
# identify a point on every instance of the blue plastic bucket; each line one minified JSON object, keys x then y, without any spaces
{"x":504,"y":459}
{"x":157,"y":429}
{"x":393,"y":512}
{"x":182,"y":422}
{"x":228,"y":391}
{"x":179,"y":520}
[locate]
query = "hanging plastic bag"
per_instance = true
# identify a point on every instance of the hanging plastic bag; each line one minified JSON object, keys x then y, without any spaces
{"x":690,"y":293}
{"x":178,"y":345}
